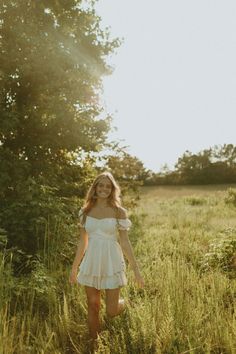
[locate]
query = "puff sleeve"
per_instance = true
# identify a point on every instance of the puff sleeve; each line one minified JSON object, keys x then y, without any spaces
{"x":124,"y":224}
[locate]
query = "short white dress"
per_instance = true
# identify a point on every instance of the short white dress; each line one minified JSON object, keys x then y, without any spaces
{"x":103,"y":265}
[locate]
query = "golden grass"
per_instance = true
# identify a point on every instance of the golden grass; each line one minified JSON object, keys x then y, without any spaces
{"x":180,"y":310}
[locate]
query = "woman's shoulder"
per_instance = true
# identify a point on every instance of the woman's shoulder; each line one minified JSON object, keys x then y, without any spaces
{"x":124,"y":222}
{"x":122,"y":213}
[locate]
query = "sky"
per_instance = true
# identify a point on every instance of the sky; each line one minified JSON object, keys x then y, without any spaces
{"x":173,"y":87}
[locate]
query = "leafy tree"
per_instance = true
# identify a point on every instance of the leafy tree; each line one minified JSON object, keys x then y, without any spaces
{"x":52,"y":61}
{"x":192,"y":167}
{"x":130,"y":172}
{"x":225,"y":153}
{"x":213,"y":165}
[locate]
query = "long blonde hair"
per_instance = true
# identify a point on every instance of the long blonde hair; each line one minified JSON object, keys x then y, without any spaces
{"x":113,"y":199}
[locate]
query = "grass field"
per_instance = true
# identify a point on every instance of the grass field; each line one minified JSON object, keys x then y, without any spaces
{"x":184,"y":307}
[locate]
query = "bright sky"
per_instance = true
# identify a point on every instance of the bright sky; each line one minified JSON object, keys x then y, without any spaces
{"x":174,"y":84}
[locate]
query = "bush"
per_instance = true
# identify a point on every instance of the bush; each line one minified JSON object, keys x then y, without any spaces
{"x":222,"y":254}
{"x":194,"y":200}
{"x":231,"y":196}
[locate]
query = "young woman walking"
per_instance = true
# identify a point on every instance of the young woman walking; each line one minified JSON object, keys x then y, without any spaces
{"x":103,"y":240}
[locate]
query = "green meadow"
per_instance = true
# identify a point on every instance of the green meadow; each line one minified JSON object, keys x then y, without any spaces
{"x":184,"y":240}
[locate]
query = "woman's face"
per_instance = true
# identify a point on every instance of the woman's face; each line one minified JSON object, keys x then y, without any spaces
{"x":103,"y":188}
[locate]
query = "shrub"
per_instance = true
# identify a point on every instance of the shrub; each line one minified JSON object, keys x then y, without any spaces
{"x":222,"y":254}
{"x":231,"y":196}
{"x":194,"y":200}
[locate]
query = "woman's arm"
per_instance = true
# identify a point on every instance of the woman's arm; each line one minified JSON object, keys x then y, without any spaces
{"x":127,"y":249}
{"x":82,"y":246}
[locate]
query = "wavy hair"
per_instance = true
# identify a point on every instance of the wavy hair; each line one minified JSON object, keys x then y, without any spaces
{"x":113,"y":199}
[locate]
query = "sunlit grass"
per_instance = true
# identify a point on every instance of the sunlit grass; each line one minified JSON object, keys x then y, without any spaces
{"x":180,"y":310}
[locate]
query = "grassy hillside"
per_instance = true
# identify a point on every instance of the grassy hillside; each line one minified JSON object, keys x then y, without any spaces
{"x":184,"y":240}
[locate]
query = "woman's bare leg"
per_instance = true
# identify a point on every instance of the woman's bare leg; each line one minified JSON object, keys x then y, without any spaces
{"x":94,"y":302}
{"x":114,"y":305}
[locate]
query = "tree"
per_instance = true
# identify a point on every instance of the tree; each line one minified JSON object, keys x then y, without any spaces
{"x":214,"y":165}
{"x":225,"y":153}
{"x":52,"y":61}
{"x":130,"y":172}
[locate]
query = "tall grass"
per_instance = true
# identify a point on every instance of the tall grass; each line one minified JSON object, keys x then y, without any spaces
{"x":182,"y":309}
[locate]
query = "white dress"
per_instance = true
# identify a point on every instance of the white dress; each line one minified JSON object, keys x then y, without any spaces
{"x":103,"y":265}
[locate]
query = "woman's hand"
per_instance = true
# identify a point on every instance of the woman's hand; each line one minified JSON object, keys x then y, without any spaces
{"x":138,"y":278}
{"x":73,"y":276}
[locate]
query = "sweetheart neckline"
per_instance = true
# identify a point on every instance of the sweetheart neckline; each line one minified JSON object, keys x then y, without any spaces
{"x":103,"y":218}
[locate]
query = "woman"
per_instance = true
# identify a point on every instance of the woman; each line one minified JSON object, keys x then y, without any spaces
{"x":102,"y":219}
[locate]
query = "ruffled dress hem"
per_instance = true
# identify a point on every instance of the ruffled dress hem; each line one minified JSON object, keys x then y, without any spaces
{"x":103,"y":282}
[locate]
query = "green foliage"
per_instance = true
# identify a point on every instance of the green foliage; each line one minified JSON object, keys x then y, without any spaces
{"x":53,"y":58}
{"x":137,"y":229}
{"x":39,"y":222}
{"x":195,"y":200}
{"x":231,"y":196}
{"x":214,"y":165}
{"x":3,"y":238}
{"x":130,"y":173}
{"x":39,"y":280}
{"x":50,"y":80}
{"x":211,"y":166}
{"x":222,"y":253}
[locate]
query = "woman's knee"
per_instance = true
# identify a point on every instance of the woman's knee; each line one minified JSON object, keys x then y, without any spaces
{"x":93,"y":299}
{"x":94,"y":304}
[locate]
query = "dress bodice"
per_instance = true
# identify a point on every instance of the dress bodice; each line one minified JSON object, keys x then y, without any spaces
{"x":105,"y":227}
